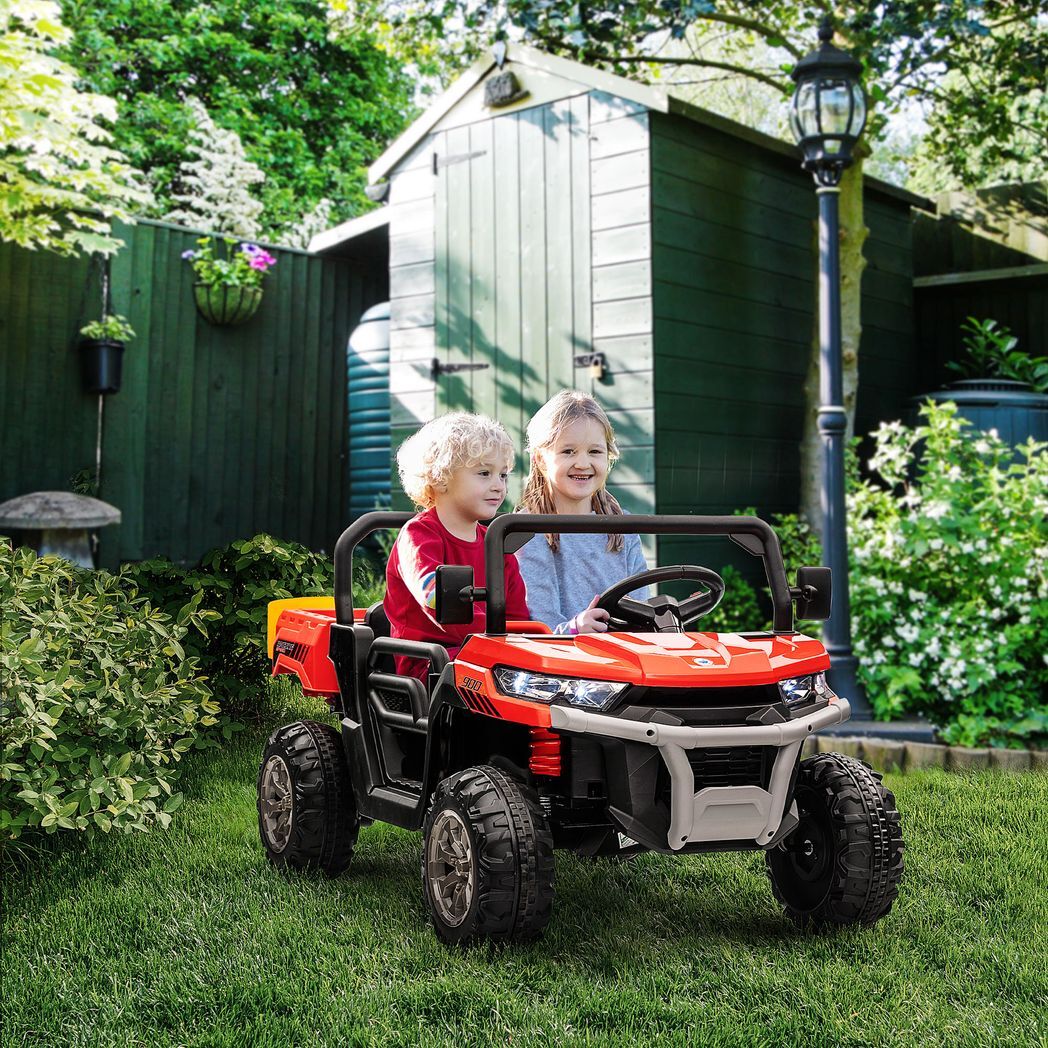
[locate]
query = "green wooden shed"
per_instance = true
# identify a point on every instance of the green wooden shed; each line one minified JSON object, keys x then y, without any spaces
{"x":593,"y":215}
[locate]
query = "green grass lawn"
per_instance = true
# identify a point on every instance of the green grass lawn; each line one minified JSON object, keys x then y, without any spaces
{"x":189,"y":938}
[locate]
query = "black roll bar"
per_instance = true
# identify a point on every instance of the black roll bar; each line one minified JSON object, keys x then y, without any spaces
{"x":746,"y":528}
{"x":347,"y":542}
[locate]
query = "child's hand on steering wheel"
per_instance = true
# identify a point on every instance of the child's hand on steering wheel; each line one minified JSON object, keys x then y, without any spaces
{"x":592,"y":619}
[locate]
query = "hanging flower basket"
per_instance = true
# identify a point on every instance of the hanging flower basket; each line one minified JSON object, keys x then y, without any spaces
{"x":225,"y":306}
{"x":102,"y":352}
{"x":228,"y":288}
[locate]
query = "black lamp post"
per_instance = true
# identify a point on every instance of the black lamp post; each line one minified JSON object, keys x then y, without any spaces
{"x":827,"y":115}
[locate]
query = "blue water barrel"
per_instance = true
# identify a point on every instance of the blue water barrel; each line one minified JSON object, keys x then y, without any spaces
{"x":1012,"y":408}
{"x":367,"y":362}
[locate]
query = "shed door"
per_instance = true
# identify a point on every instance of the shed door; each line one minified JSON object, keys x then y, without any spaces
{"x":513,"y":261}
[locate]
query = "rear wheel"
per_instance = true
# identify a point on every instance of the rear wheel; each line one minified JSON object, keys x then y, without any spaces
{"x":307,"y":816}
{"x":843,"y":863}
{"x":487,"y":859}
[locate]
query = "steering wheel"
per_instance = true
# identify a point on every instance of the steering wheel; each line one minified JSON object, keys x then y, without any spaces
{"x":661,"y":614}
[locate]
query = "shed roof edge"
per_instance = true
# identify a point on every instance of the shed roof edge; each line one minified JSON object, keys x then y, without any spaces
{"x":349,"y":230}
{"x":596,"y":79}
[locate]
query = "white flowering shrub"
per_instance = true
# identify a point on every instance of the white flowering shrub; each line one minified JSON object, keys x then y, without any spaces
{"x":217,"y":181}
{"x":949,"y":554}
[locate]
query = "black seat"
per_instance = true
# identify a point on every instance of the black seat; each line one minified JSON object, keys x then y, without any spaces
{"x":376,"y":619}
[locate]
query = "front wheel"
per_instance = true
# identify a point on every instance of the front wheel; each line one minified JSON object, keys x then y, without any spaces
{"x":487,"y":859}
{"x":843,"y":862}
{"x":307,"y":816}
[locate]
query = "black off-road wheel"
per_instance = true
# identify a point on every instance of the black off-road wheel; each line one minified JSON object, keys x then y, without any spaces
{"x":487,"y":859}
{"x":843,"y":863}
{"x":307,"y":816}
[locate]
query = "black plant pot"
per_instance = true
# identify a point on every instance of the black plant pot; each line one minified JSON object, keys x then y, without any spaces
{"x":101,"y":364}
{"x":226,"y":306}
{"x":1012,"y":408}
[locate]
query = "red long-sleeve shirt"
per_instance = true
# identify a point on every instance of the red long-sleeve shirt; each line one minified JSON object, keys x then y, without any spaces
{"x":422,"y":546}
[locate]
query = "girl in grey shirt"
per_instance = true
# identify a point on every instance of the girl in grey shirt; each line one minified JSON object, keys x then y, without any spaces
{"x":572,"y":448}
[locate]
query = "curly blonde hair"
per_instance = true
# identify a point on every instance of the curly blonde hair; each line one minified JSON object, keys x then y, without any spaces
{"x":428,"y":458}
{"x":566,"y":407}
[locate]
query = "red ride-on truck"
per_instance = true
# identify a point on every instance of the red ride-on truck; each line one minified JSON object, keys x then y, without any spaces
{"x":649,"y":737}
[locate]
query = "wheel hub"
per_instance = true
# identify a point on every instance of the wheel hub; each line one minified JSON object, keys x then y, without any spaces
{"x":449,"y":867}
{"x":276,"y":803}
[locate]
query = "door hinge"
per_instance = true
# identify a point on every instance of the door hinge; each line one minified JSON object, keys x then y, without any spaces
{"x":457,"y":158}
{"x":439,"y":368}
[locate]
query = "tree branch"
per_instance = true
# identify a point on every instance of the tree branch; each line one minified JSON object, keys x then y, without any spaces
{"x":709,"y":64}
{"x":943,"y":51}
{"x":768,"y":32}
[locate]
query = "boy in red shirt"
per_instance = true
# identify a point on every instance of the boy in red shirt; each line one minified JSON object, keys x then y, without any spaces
{"x":454,"y":469}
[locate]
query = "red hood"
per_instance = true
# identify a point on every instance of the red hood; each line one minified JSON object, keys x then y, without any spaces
{"x":676,"y":660}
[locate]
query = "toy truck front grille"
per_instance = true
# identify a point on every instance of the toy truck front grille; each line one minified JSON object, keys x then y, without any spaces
{"x":731,"y":766}
{"x":722,"y":766}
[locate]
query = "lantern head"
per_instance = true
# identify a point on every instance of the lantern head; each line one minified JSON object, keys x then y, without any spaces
{"x":828,"y":111}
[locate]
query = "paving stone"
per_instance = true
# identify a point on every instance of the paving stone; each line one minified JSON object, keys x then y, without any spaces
{"x":961,"y":758}
{"x":849,"y":745}
{"x":884,"y":754}
{"x":1010,"y":760}
{"x":925,"y":755}
{"x":1039,"y":760}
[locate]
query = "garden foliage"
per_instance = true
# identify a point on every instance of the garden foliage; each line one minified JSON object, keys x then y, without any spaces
{"x":311,"y":111}
{"x":232,"y":587}
{"x":62,"y":180}
{"x":949,"y":579}
{"x":100,"y":699}
{"x":743,"y":608}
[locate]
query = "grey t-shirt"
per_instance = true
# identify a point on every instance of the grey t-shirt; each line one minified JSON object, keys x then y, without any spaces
{"x":562,"y":584}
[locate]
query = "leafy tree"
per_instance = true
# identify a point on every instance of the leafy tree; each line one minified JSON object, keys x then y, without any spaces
{"x":61,"y":181}
{"x":312,"y":112}
{"x":991,"y":152}
{"x":907,"y":47}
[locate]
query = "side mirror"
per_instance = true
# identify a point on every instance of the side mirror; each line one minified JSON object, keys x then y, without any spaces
{"x":814,"y":593}
{"x":455,"y":594}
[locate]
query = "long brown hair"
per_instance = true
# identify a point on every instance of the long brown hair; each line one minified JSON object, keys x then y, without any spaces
{"x":568,"y":406}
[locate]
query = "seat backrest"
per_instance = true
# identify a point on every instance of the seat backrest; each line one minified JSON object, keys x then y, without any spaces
{"x":376,"y":619}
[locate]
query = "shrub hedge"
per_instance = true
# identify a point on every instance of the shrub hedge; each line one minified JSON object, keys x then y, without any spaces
{"x":99,"y":699}
{"x":232,"y":587}
{"x":948,"y":540}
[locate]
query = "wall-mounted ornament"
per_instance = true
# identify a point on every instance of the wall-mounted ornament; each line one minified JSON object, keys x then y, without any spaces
{"x":503,"y":89}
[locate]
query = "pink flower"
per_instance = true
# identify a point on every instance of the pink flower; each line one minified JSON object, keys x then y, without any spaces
{"x":261,"y":260}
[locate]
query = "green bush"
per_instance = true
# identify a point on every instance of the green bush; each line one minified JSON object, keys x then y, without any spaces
{"x":745,"y":608}
{"x":232,"y":587}
{"x":99,"y":700}
{"x":949,"y":549}
{"x":738,"y":611}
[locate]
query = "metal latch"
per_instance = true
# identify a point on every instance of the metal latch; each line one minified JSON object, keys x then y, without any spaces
{"x":439,"y":368}
{"x":596,"y":362}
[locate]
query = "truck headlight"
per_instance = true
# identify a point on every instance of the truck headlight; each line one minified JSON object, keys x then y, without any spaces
{"x":799,"y":691}
{"x":597,"y":694}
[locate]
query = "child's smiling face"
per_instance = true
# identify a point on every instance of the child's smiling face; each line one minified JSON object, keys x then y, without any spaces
{"x":577,"y":463}
{"x":475,"y":492}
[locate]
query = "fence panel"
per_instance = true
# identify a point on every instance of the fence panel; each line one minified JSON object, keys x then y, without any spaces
{"x":217,"y":433}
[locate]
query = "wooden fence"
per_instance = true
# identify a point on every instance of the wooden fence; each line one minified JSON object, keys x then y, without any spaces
{"x":217,"y":433}
{"x":1016,"y":297}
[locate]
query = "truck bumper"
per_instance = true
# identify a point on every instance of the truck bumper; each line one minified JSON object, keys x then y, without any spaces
{"x":747,"y":814}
